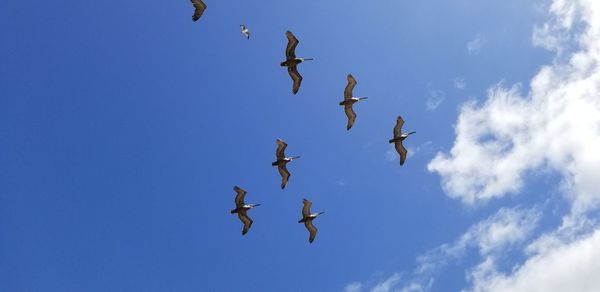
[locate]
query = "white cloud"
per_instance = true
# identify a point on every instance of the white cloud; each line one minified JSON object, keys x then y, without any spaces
{"x":475,"y":45}
{"x":436,"y":97}
{"x":489,"y":237}
{"x":567,"y":267}
{"x":556,"y":125}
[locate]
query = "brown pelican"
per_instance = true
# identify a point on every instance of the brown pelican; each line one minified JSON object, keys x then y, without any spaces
{"x":398,"y":138}
{"x":307,"y":219}
{"x":200,"y":7}
{"x":281,"y":162}
{"x":291,"y":61}
{"x":245,"y":31}
{"x":241,"y":208}
{"x":349,"y":100}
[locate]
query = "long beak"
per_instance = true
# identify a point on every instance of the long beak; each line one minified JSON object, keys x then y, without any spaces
{"x":321,"y":213}
{"x":256,"y":205}
{"x":411,"y":133}
{"x":308,"y":59}
{"x":362,"y":98}
{"x":295,"y":157}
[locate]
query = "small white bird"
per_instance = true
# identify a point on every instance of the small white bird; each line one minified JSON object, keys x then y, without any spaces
{"x":245,"y":31}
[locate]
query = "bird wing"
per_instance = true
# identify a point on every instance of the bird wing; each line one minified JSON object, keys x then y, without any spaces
{"x":285,"y":175}
{"x":239,"y":198}
{"x":398,"y":127}
{"x":306,"y":208}
{"x":200,"y":7}
{"x":280,"y":152}
{"x":246,"y":220}
{"x":296,"y":77}
{"x":349,"y":87}
{"x":350,"y":114}
{"x":290,"y":50}
{"x":311,"y":229}
{"x":402,"y":151}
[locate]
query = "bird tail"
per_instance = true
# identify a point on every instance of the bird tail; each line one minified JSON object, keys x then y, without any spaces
{"x":275,"y":163}
{"x":234,"y":211}
{"x":391,"y":141}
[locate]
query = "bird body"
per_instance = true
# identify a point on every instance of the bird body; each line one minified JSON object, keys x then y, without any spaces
{"x":398,"y":138}
{"x":307,"y":219}
{"x":291,"y":61}
{"x":245,"y":31}
{"x":282,"y":162}
{"x":242,"y":208}
{"x":350,"y":100}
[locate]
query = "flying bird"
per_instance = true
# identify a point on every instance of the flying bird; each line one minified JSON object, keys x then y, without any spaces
{"x":242,"y":208}
{"x":398,"y":138}
{"x":200,"y":7}
{"x":291,"y":62}
{"x":245,"y":31}
{"x":282,"y":161}
{"x":307,"y":219}
{"x":349,"y":100}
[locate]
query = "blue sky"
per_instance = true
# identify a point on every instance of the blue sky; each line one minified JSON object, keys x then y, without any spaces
{"x":124,"y":127}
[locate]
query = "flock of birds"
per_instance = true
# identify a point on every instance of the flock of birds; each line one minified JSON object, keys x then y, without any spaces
{"x":292,"y":62}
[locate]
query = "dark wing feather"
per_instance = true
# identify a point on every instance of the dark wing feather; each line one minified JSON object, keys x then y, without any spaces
{"x":311,"y":229}
{"x":296,"y":77}
{"x":280,"y":152}
{"x":285,"y":175}
{"x":306,"y":208}
{"x":200,"y":7}
{"x":290,"y":50}
{"x":349,"y":87}
{"x":246,"y":220}
{"x":239,"y":198}
{"x":350,"y":114}
{"x":398,"y":127}
{"x":402,"y":151}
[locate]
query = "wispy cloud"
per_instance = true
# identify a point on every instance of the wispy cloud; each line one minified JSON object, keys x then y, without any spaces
{"x":436,"y":97}
{"x":475,"y":45}
{"x":460,"y":83}
{"x":353,"y":287}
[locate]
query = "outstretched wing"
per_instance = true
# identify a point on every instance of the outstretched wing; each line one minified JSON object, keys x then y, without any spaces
{"x":280,"y":152}
{"x":306,"y":208}
{"x":290,"y":50}
{"x":239,"y":198}
{"x":401,"y":150}
{"x":311,"y":229}
{"x":285,"y":175}
{"x":296,"y":77}
{"x":350,"y":114}
{"x":349,"y":87}
{"x":246,"y":220}
{"x":200,"y":7}
{"x":398,"y":127}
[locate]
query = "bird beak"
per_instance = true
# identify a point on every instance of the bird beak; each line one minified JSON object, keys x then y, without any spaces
{"x":308,"y":59}
{"x":256,"y":205}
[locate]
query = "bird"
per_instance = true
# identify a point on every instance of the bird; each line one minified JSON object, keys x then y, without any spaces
{"x":245,"y":31}
{"x":349,"y":100}
{"x":200,"y":7}
{"x":242,"y":208}
{"x":307,"y":219}
{"x":291,"y":62}
{"x":398,"y":138}
{"x":281,"y":162}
